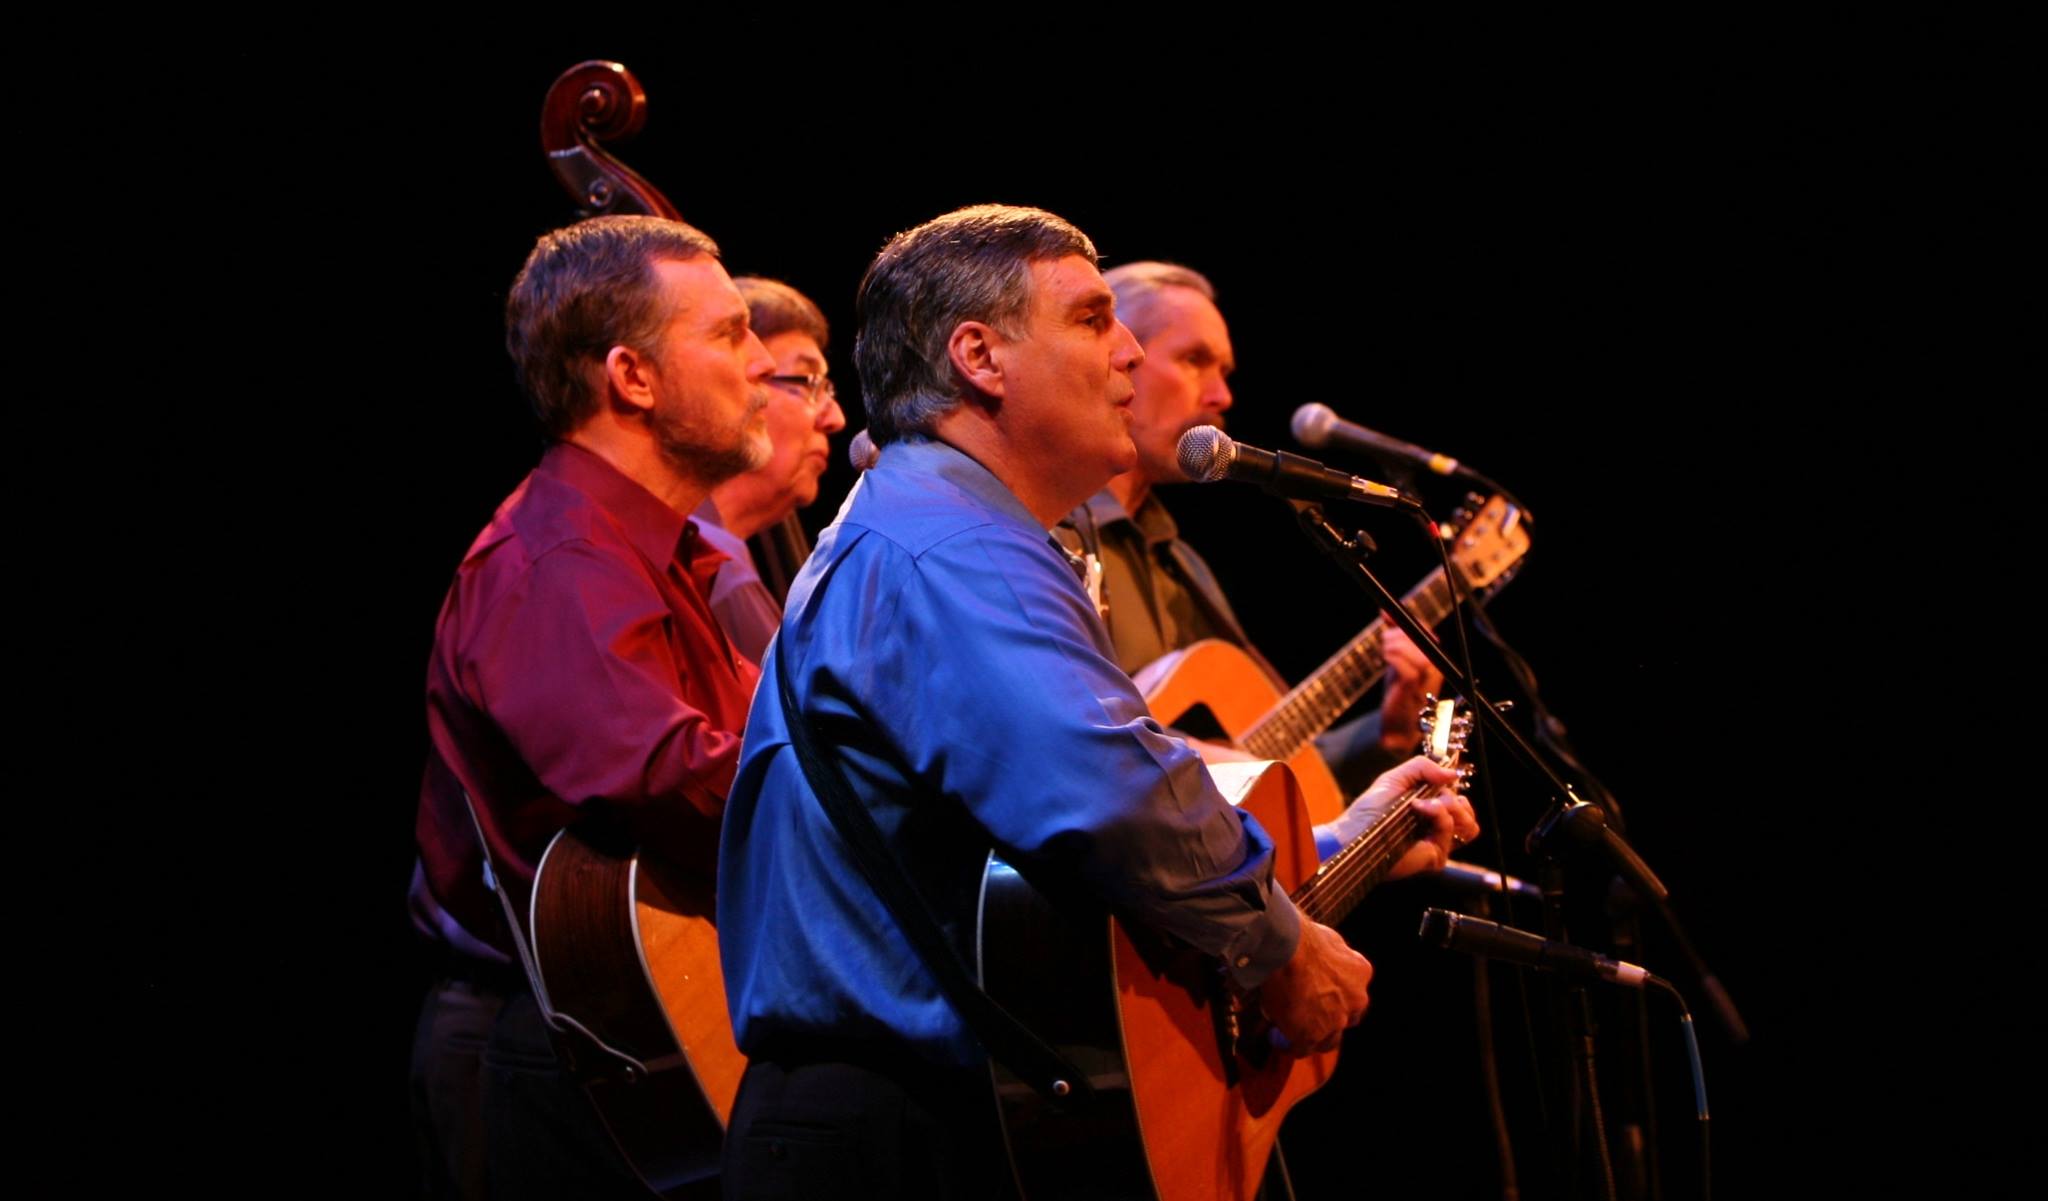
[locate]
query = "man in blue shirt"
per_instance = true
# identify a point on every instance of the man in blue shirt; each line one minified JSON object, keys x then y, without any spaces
{"x":943,"y":649}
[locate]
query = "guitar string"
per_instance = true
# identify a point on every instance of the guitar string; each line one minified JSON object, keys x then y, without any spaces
{"x":1334,"y":895}
{"x":1294,"y":717}
{"x":1352,"y":869}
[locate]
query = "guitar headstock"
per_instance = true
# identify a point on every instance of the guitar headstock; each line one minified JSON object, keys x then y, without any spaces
{"x":1446,"y":729}
{"x":1489,"y":542}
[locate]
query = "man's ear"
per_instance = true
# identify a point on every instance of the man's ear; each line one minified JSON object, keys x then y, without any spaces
{"x":629,"y":378}
{"x":975,"y":349}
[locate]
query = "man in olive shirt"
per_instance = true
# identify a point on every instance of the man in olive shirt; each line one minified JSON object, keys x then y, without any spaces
{"x":1157,"y":594}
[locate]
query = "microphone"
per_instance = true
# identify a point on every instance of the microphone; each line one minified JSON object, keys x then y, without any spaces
{"x":862,"y":451}
{"x":1470,"y":877}
{"x":1317,"y":425}
{"x":1491,"y":940}
{"x":1207,"y":454}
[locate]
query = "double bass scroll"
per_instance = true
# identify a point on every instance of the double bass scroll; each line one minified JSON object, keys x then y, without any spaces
{"x":588,"y":105}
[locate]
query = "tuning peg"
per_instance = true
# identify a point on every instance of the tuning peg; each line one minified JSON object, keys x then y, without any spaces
{"x":1503,"y":706}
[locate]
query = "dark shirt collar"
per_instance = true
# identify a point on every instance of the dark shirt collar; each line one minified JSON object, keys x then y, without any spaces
{"x":1151,"y":522}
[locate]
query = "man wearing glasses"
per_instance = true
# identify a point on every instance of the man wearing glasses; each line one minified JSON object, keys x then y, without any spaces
{"x":803,"y":413}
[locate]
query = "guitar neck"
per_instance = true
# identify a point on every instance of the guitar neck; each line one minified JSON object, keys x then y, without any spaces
{"x":1338,"y":684}
{"x":1344,"y":878}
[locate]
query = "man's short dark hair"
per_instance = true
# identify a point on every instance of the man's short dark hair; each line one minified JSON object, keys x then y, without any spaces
{"x":969,"y":265}
{"x":585,"y":289}
{"x":773,"y":307}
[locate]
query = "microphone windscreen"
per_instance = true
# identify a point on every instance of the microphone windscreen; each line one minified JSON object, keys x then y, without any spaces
{"x":862,"y":451}
{"x":1311,"y":424}
{"x":1204,"y":454}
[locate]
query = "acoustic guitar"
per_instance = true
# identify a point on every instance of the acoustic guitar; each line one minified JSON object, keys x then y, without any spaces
{"x":1189,"y":1089}
{"x":1216,"y":675}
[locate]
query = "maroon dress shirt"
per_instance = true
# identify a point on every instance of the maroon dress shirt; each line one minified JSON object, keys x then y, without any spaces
{"x":577,"y":670}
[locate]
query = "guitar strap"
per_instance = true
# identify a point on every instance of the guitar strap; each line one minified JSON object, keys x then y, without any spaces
{"x":527,"y":963}
{"x":578,"y":1046}
{"x":1006,"y":1039}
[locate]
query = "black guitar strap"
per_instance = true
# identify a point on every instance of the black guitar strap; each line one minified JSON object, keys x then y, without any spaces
{"x":1006,"y":1039}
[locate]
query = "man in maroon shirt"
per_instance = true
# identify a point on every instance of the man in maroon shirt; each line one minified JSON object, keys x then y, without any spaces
{"x":577,"y":667}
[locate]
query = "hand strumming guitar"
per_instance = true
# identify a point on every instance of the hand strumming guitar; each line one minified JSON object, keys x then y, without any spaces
{"x":1411,"y":677}
{"x":1319,"y":993}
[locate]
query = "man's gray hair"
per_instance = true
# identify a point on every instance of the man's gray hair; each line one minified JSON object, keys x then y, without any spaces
{"x":1138,"y":286}
{"x":969,"y":265}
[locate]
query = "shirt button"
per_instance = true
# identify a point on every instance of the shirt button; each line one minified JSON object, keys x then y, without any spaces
{"x":1244,"y":961}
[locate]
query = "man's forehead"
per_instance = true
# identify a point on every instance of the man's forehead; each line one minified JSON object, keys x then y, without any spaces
{"x":796,"y":346}
{"x":1069,"y":282}
{"x":1185,"y":306}
{"x":700,"y":289}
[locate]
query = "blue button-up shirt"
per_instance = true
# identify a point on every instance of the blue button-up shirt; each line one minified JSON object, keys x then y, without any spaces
{"x":951,"y":659}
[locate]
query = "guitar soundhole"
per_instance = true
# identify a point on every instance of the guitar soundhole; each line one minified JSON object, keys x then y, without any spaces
{"x":1198,"y":722}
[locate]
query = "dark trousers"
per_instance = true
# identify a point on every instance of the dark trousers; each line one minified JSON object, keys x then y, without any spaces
{"x":543,"y":1138}
{"x":494,"y":1114}
{"x":446,"y":1086}
{"x":840,"y":1127}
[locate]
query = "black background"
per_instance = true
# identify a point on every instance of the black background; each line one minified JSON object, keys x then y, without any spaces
{"x":1672,"y":285}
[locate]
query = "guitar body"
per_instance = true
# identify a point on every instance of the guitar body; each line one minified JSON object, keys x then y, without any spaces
{"x":1189,"y":1097}
{"x":1219,"y":676}
{"x":627,"y":949}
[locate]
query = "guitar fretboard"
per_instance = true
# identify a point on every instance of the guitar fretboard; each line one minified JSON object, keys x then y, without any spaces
{"x":1342,"y":679}
{"x":1344,"y":878}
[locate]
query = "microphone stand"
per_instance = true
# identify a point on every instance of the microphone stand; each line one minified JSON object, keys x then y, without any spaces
{"x":1568,"y":824}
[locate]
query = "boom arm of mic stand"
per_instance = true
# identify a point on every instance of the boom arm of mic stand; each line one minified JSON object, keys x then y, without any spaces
{"x":1570,"y":820}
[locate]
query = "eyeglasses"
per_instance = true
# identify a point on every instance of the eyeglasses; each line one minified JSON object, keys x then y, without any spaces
{"x":815,"y":388}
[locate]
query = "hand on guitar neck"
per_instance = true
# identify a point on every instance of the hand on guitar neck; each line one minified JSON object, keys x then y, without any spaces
{"x":1411,"y":680}
{"x":1446,"y":820}
{"x":1321,"y":991}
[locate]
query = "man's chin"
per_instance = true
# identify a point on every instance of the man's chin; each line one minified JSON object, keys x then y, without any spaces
{"x":1126,"y":456}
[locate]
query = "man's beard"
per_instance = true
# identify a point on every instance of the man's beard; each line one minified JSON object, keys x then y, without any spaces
{"x":706,"y":455}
